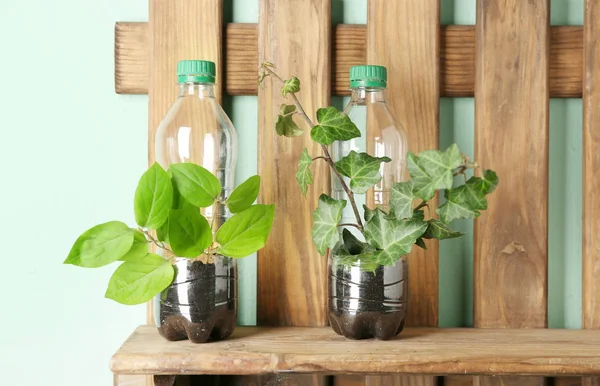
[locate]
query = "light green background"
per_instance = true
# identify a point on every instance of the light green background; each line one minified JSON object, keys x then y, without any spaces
{"x":73,"y":150}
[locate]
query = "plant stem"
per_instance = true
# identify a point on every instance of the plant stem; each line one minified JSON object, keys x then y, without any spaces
{"x":421,"y":205}
{"x":159,"y":244}
{"x":349,"y":225}
{"x":319,"y":157}
{"x":327,"y":156}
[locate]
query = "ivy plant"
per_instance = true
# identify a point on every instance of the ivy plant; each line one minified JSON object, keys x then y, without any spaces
{"x":167,"y":209}
{"x":385,"y":233}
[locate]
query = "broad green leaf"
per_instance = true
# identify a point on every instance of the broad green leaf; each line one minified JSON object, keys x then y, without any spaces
{"x":101,"y":245}
{"x":333,"y":125}
{"x":352,"y":244}
{"x":366,"y":261}
{"x":464,"y":201}
{"x":418,"y":215}
{"x":421,"y":243}
{"x":153,"y":198}
{"x":189,"y":233}
{"x":285,"y":124}
{"x":368,"y":213}
{"x":197,"y":185}
{"x":432,"y":170}
{"x":246,"y":232}
{"x":487,"y":184}
{"x":244,"y":195}
{"x":139,"y":247}
{"x":162,"y":233}
{"x":394,"y":238}
{"x":304,"y":175}
{"x":138,"y":280}
{"x":439,"y":230}
{"x":362,"y":169}
{"x":401,"y":199}
{"x":326,"y":218}
{"x":291,"y":85}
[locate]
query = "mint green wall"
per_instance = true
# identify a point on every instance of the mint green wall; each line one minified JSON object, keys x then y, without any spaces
{"x":73,"y":151}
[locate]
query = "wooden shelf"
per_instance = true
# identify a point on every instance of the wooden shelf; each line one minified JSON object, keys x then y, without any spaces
{"x":256,"y":350}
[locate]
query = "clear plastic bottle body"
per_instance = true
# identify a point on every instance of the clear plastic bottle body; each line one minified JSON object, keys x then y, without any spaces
{"x":197,"y":130}
{"x":367,"y":303}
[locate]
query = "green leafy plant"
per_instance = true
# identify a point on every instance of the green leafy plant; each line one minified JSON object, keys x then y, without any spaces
{"x":170,"y":203}
{"x":388,"y":232}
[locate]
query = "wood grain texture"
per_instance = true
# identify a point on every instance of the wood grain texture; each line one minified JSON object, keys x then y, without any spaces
{"x":591,"y":173}
{"x":132,"y":48}
{"x":292,"y":279}
{"x":567,"y":381}
{"x":431,"y":351}
{"x":511,"y":130}
{"x":404,"y":36}
{"x":458,"y":380}
{"x":399,"y":380}
{"x":457,"y":59}
{"x":130,"y":380}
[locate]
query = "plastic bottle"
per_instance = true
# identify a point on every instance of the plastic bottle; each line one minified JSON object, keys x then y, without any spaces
{"x":201,"y":303}
{"x":366,"y":303}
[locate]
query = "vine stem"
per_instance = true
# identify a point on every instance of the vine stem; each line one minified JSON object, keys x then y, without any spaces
{"x":421,"y":205}
{"x":349,"y":225}
{"x":159,"y":244}
{"x":327,"y":156}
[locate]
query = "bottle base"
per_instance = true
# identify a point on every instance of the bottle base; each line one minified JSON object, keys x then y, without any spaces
{"x":219,"y":326}
{"x":367,"y":325}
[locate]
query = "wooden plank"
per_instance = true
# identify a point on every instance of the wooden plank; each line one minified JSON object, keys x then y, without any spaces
{"x":292,"y":277}
{"x":591,"y":173}
{"x":430,"y":351}
{"x":404,"y":36}
{"x":457,"y":59}
{"x":458,"y":380}
{"x":511,"y":130}
{"x":567,"y":381}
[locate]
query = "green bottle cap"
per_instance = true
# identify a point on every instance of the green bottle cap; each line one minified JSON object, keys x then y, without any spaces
{"x":368,"y":76}
{"x":197,"y":71}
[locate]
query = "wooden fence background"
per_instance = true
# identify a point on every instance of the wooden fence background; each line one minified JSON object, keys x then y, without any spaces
{"x":511,"y":61}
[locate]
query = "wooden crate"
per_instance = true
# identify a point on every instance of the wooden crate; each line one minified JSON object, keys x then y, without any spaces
{"x":511,"y":61}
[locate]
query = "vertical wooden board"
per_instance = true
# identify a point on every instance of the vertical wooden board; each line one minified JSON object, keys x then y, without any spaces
{"x":400,"y":380}
{"x":511,"y":137}
{"x":291,"y":275}
{"x":131,"y":58}
{"x":591,"y":172}
{"x":404,"y":36}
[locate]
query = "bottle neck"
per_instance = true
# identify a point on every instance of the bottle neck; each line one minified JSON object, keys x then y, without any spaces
{"x":362,"y":95}
{"x":197,"y":90}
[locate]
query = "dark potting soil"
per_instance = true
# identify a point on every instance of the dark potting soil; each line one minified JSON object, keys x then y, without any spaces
{"x":201,"y":303}
{"x":364,"y":304}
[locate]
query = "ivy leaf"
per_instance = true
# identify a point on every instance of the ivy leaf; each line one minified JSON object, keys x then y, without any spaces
{"x":326,"y":218}
{"x":439,"y":230}
{"x":189,"y":233}
{"x":418,"y":215}
{"x":196,"y":184}
{"x":333,"y":125}
{"x":138,"y":280}
{"x":285,"y":124}
{"x":432,"y":170}
{"x":352,"y":244}
{"x":464,"y":201}
{"x":246,"y":232}
{"x":304,"y":175}
{"x":362,"y":169}
{"x":401,"y":198}
{"x":101,"y":245}
{"x":487,"y":184}
{"x":394,"y":238}
{"x":244,"y":195}
{"x":153,"y":198}
{"x":291,"y":85}
{"x":368,"y":213}
{"x":421,"y":243}
{"x":139,"y":248}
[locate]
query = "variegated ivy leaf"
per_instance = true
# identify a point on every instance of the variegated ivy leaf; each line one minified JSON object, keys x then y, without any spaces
{"x":362,"y":169}
{"x":326,"y":218}
{"x":464,"y":201}
{"x":393,"y":238}
{"x":333,"y":125}
{"x":285,"y":124}
{"x":368,"y":213}
{"x":487,"y":184}
{"x":432,"y":170}
{"x":439,"y":230}
{"x":304,"y":175}
{"x":401,"y":198}
{"x":291,"y":85}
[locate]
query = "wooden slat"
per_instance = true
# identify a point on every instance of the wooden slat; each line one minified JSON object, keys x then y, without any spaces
{"x":458,"y":380}
{"x":591,"y":172}
{"x":256,"y":350}
{"x":404,"y":36}
{"x":457,"y":59}
{"x":511,"y":130}
{"x":292,"y":279}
